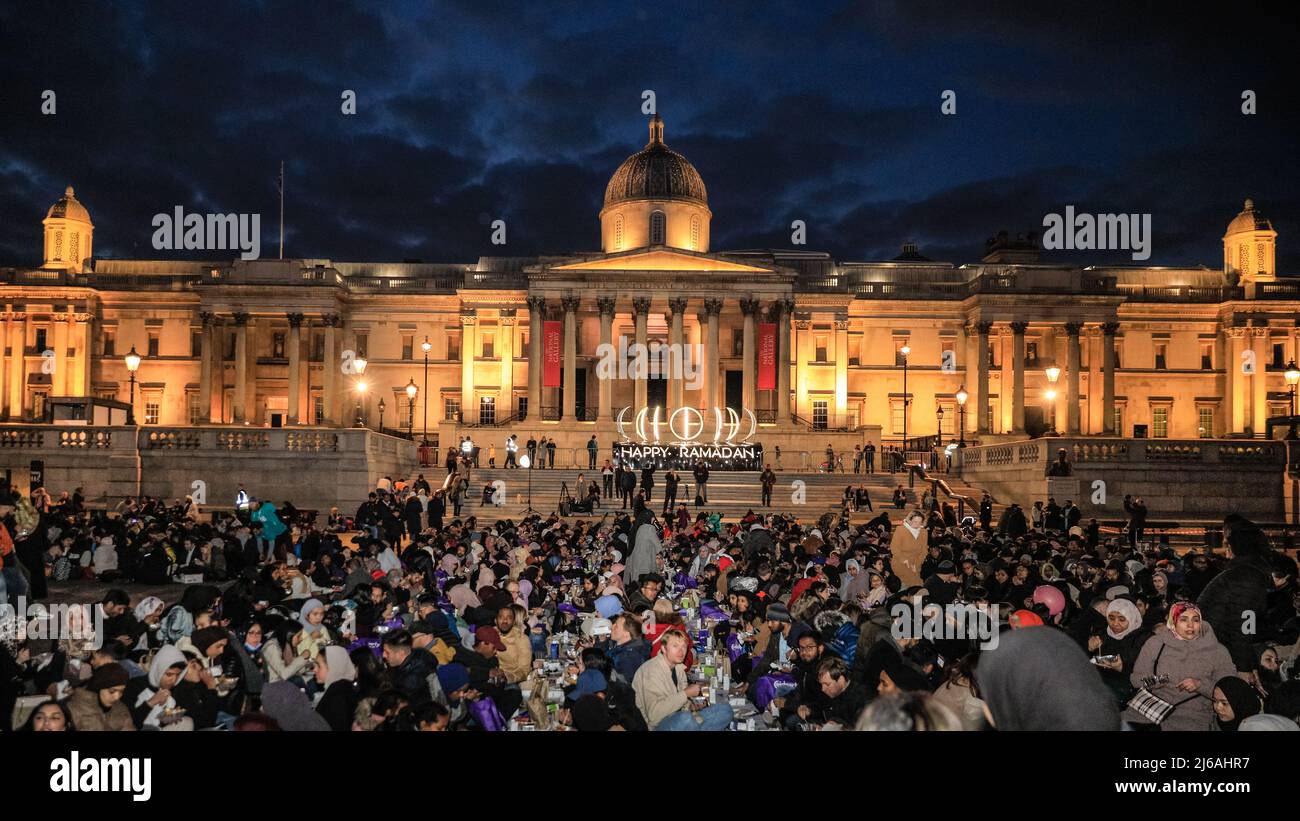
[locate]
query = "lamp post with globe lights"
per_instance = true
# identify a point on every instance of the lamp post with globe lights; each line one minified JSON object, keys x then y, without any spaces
{"x":132,"y":360}
{"x":1053,"y":374}
{"x":359,"y":366}
{"x":411,"y":392}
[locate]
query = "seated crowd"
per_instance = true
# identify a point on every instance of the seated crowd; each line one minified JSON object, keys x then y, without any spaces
{"x":398,"y":621}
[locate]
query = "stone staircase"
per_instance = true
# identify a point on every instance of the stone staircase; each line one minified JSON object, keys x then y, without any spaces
{"x":731,"y":493}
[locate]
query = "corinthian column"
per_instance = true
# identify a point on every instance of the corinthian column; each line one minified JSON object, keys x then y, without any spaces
{"x":749,"y":381}
{"x":640,"y":315}
{"x":570,"y":304}
{"x":713,"y":390}
{"x":605,"y":384}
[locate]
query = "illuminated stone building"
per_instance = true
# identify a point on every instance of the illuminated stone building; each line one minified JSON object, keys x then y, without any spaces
{"x":1140,"y":350}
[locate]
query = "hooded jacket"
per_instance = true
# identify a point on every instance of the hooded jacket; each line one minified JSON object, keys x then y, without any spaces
{"x":1242,"y":588}
{"x":1037,"y":678}
{"x":1202,"y":658}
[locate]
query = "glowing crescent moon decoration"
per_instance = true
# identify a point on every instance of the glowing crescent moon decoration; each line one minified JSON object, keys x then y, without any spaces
{"x":656,"y":423}
{"x":685,"y":435}
{"x":618,"y":420}
{"x":717,"y":424}
{"x":753,"y":424}
{"x":733,"y":424}
{"x":639,"y":423}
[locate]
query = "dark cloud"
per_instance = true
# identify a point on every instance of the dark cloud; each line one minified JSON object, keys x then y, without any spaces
{"x":470,"y":112}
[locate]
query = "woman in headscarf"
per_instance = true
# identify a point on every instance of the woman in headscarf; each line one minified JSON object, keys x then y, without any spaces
{"x":284,"y":702}
{"x":336,"y":673}
{"x":151,"y":701}
{"x":281,"y":661}
{"x":98,"y":705}
{"x":1187,"y":660}
{"x":148,"y":613}
{"x":1118,"y":649}
{"x":644,"y":551}
{"x":314,"y":635}
{"x":1234,"y":701}
{"x":1040,"y":680}
{"x":179,"y":621}
{"x":461,"y":597}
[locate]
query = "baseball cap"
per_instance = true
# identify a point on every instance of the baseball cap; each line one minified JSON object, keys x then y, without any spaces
{"x":489,"y":635}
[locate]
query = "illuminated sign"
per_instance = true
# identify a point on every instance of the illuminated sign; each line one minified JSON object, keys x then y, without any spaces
{"x":689,"y":426}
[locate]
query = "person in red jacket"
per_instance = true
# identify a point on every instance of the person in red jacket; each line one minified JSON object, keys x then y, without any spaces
{"x":812,"y":574}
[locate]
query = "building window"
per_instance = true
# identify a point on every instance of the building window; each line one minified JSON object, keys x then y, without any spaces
{"x":1117,"y":422}
{"x":1279,"y":410}
{"x":41,"y":336}
{"x":657,"y":228}
{"x":738,"y":343}
{"x":1205,"y":422}
{"x":521,"y":402}
{"x":152,"y":408}
{"x":363,"y":345}
{"x":110,"y":343}
{"x":318,"y":409}
{"x":1279,"y":355}
{"x":820,"y":349}
{"x":277,"y":345}
{"x":820,"y":414}
{"x":991,"y":412}
{"x":1162,"y":353}
{"x":896,"y":416}
{"x":230,"y":346}
{"x":38,"y":406}
{"x":451,"y":409}
{"x":318,"y":347}
{"x":194,"y":409}
{"x":1160,"y":423}
{"x":196,"y":343}
{"x":1031,"y":354}
{"x":1207,"y":356}
{"x":523,"y":341}
{"x":489,"y":345}
{"x":948,"y":346}
{"x":408,"y":346}
{"x":855,"y":350}
{"x":487,"y":410}
{"x":453,"y":347}
{"x":153,"y":343}
{"x":1119,"y":347}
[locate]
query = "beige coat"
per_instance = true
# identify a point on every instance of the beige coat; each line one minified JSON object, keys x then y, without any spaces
{"x":656,"y":695}
{"x":88,"y":716}
{"x":908,"y":554}
{"x":517,"y":660}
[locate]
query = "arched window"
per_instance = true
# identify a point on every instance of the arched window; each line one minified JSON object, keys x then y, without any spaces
{"x":695,"y":233}
{"x":657,"y":228}
{"x":58,"y":245}
{"x":618,"y":233}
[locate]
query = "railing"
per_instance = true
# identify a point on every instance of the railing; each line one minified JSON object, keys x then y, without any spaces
{"x":1178,"y":293}
{"x":842,"y":423}
{"x":551,"y":414}
{"x":1277,"y":290}
{"x":765,"y":416}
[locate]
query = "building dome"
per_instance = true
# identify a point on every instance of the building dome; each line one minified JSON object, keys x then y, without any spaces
{"x":68,"y":207}
{"x":656,"y":172}
{"x":1249,"y":220}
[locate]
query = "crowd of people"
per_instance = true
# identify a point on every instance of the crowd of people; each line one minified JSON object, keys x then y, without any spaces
{"x":408,"y":617}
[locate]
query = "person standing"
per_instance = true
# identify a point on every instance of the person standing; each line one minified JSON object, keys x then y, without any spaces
{"x":830,"y":458}
{"x":778,"y":457}
{"x":701,"y":473}
{"x":592,"y":449}
{"x":607,"y":472}
{"x":550,"y":453}
{"x":512,"y":447}
{"x":857,"y":458}
{"x":648,"y":479}
{"x":670,"y":490}
{"x":627,"y":484}
{"x":986,"y":512}
{"x":532,"y":453}
{"x":869,"y":457}
{"x":768,"y":480}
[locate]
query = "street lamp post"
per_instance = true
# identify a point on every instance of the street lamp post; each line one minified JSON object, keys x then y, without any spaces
{"x":359,"y":365}
{"x":905,"y":351}
{"x":1292,"y":378}
{"x":411,"y":391}
{"x":381,"y":414}
{"x":426,"y":346}
{"x":962,"y":396}
{"x":132,"y":360}
{"x":1053,"y":374}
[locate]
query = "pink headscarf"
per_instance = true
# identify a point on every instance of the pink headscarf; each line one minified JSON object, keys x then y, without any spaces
{"x":525,"y":590}
{"x":1176,"y":611}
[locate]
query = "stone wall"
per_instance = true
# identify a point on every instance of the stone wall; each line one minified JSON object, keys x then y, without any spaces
{"x":312,"y":467}
{"x":1194,"y":479}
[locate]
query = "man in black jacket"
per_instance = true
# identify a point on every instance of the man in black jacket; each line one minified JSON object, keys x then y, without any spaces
{"x":410,"y":667}
{"x":1236,"y":600}
{"x":845,"y":698}
{"x":701,"y":473}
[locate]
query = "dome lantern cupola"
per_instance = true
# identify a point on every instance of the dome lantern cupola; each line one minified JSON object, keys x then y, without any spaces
{"x":69,"y":234}
{"x":1249,"y":246}
{"x":656,"y":197}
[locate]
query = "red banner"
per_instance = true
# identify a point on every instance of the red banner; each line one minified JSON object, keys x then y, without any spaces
{"x":551,"y":335}
{"x":766,"y":356}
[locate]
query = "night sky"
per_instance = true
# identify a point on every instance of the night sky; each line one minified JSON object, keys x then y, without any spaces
{"x":474,"y":111}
